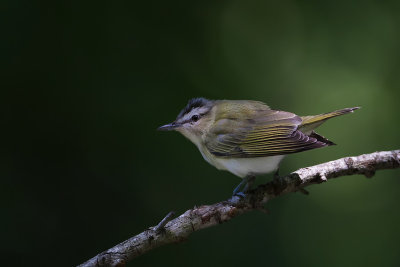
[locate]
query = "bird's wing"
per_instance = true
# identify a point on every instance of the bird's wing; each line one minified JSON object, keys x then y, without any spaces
{"x":268,"y":133}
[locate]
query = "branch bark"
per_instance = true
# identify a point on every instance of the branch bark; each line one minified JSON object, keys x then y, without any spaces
{"x":176,"y":230}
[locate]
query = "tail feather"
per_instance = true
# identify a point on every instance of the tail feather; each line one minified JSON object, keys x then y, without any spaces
{"x":325,"y":116}
{"x":309,"y":123}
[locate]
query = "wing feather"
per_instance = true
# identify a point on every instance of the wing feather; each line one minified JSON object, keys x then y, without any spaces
{"x":267,"y":133}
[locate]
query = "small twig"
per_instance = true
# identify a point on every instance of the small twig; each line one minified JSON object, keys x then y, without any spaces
{"x":305,"y":192}
{"x":164,"y":221}
{"x":172,"y":231}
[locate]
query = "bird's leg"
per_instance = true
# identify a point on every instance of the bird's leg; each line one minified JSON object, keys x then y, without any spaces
{"x":276,"y":174}
{"x":250,"y":183}
{"x":239,"y":186}
{"x":244,"y":186}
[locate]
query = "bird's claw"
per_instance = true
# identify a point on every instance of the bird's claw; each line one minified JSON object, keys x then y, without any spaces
{"x":240,"y":195}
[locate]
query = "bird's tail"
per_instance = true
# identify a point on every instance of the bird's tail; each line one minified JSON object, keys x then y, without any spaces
{"x":311,"y":122}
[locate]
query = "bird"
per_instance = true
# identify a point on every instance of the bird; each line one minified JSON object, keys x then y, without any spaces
{"x":247,"y":137}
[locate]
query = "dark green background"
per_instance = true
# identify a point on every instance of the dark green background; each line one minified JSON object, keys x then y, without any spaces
{"x":85,"y":85}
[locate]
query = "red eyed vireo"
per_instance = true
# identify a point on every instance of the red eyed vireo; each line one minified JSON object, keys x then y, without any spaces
{"x":248,"y":138}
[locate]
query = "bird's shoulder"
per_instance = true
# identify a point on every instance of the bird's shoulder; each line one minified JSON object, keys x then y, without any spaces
{"x":244,"y":115}
{"x":237,"y":109}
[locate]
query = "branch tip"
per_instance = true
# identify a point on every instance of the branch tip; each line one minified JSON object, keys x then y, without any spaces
{"x":305,"y":192}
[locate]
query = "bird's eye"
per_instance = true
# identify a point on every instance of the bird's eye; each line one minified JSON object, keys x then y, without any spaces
{"x":195,"y":117}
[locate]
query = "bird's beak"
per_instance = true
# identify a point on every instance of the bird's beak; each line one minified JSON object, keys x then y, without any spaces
{"x":168,"y":127}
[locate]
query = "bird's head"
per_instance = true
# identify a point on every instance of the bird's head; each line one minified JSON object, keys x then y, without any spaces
{"x":193,"y":120}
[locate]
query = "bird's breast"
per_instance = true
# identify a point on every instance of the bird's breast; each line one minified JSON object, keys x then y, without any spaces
{"x":244,"y":166}
{"x":240,"y":166}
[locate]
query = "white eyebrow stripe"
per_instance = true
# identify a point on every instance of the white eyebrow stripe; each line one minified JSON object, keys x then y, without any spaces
{"x":195,"y":111}
{"x":189,"y":115}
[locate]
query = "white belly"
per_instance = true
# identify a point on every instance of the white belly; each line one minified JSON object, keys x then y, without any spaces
{"x":241,"y":166}
{"x":245,"y":166}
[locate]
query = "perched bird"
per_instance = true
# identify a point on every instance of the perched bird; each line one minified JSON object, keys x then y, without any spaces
{"x":248,"y":138}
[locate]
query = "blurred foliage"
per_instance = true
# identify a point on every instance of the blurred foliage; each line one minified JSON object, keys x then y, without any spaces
{"x":85,"y":85}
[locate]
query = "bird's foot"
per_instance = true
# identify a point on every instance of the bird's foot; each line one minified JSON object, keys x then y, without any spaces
{"x":244,"y":186}
{"x":238,"y":189}
{"x":240,"y":195}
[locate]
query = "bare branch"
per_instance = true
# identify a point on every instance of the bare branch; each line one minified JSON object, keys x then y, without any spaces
{"x":172,"y":231}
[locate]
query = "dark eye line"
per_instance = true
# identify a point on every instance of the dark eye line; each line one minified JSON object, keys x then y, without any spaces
{"x":196,"y":115}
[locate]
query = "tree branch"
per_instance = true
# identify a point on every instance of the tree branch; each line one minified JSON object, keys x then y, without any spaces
{"x":172,"y":231}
